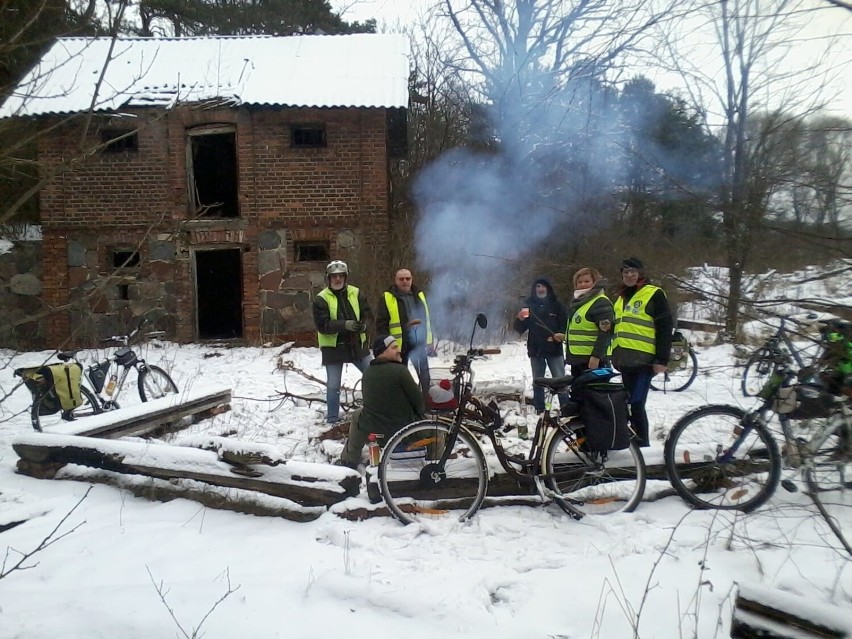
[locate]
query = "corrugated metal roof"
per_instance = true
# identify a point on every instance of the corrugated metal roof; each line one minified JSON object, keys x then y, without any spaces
{"x":361,"y":70}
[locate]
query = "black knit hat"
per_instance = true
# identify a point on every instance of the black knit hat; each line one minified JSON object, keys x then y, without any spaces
{"x":381,"y":344}
{"x":632,"y":262}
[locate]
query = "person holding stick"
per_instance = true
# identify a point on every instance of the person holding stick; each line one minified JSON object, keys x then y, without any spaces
{"x":543,"y":318}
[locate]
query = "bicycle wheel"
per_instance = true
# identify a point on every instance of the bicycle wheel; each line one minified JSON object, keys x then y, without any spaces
{"x":43,"y":414}
{"x":415,"y":487}
{"x":679,"y":379}
{"x":155,"y":383}
{"x":594,"y":484}
{"x":707,"y":473}
{"x":830,"y":466}
{"x":757,"y":371}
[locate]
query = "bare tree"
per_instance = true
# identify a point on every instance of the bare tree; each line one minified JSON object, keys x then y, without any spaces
{"x":755,"y":100}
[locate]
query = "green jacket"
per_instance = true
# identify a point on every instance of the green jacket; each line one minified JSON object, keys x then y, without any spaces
{"x":392,"y":398}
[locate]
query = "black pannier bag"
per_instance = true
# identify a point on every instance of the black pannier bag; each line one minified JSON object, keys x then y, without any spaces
{"x":604,"y":411}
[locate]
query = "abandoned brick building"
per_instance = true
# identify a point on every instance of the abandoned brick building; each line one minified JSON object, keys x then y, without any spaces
{"x":210,"y":179}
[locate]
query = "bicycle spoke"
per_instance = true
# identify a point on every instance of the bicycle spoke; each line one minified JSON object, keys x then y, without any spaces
{"x":420,"y":479}
{"x":714,"y":461}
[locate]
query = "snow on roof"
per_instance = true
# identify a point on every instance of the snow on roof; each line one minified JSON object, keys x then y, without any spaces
{"x":361,"y":70}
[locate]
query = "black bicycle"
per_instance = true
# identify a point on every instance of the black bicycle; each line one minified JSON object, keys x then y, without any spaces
{"x":778,"y":348}
{"x":723,"y":457}
{"x":436,"y":468}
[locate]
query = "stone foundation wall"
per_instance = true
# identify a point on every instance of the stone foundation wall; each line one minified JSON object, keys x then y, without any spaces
{"x":22,"y":325}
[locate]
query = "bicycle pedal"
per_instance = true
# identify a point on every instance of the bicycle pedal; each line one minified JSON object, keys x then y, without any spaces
{"x":789,"y":486}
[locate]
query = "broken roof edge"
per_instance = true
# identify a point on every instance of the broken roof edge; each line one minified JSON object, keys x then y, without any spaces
{"x":62,"y":80}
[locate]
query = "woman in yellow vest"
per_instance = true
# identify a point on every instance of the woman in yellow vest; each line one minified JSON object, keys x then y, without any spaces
{"x":590,"y":321}
{"x":642,"y":341}
{"x":341,"y":317}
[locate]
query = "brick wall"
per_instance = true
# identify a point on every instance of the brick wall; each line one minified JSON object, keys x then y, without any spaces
{"x":140,"y":200}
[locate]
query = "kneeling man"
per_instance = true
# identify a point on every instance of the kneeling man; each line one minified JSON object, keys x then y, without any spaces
{"x":392,"y":399}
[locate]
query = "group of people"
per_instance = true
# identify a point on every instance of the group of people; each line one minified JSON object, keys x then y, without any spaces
{"x":633,"y":333}
{"x":391,"y":397}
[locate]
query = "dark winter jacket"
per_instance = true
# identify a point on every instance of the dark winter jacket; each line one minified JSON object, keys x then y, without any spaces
{"x":547,"y":317}
{"x":415,"y":336}
{"x":349,"y":347}
{"x":600,"y":313}
{"x":392,"y":398}
{"x":659,"y":309}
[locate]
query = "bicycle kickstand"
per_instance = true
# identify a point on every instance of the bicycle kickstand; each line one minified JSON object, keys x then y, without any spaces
{"x":548,"y":495}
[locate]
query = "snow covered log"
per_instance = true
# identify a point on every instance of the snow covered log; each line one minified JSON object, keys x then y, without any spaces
{"x":149,"y":416}
{"x":42,"y":454}
{"x":775,"y":614}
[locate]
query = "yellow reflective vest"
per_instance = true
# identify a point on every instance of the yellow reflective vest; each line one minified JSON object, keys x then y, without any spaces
{"x":329,"y":340}
{"x":395,"y":324}
{"x":634,"y":327}
{"x":582,"y":333}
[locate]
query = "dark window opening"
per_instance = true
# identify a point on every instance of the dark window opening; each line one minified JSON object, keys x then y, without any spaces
{"x":219,"y":293}
{"x":213,"y":174}
{"x":397,"y":140}
{"x":123,"y":291}
{"x":311,"y":251}
{"x":307,"y":136}
{"x":118,"y":141}
{"x":125,"y":258}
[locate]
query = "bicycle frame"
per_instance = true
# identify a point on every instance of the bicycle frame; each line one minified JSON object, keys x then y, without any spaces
{"x":473,"y":415}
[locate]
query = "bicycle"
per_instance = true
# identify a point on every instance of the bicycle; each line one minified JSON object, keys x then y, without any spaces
{"x":723,"y":457}
{"x":436,"y":468}
{"x":683,"y":366}
{"x":106,"y":380}
{"x":761,"y":362}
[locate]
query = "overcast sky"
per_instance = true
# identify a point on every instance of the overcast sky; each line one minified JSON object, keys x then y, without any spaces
{"x":828,"y":21}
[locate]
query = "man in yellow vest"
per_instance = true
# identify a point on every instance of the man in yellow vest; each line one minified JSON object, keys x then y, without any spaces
{"x":341,"y":317}
{"x":642,"y":341}
{"x":404,"y":314}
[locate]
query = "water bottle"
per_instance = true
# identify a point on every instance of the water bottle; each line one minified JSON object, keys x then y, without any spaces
{"x":771,"y":385}
{"x":110,"y":387}
{"x":373,"y":449}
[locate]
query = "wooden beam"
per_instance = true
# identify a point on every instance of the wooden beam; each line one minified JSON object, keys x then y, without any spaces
{"x":147,"y":417}
{"x":775,"y":614}
{"x":301,"y":482}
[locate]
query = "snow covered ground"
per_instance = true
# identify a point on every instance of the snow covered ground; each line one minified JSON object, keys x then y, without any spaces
{"x":127,"y":564}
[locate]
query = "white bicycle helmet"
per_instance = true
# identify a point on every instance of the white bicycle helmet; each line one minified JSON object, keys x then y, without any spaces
{"x":336,"y":267}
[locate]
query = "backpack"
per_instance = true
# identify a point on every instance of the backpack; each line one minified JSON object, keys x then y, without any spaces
{"x":604,"y":411}
{"x":680,"y":351}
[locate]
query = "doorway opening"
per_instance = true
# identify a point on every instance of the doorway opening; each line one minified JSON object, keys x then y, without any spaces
{"x":219,"y":293}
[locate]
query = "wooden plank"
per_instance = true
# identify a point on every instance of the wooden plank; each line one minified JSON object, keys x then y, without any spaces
{"x":147,"y":417}
{"x":328,"y":485}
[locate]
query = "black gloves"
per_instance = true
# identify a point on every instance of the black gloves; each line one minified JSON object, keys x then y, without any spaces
{"x":354,"y":326}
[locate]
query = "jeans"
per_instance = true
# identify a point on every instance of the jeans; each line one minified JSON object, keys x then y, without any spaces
{"x":637,"y":381}
{"x":417,"y":357}
{"x":333,"y":374}
{"x":556,"y":364}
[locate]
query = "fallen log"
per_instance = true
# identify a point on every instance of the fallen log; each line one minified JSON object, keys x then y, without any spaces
{"x":766,"y":613}
{"x":304,"y":483}
{"x":247,"y":502}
